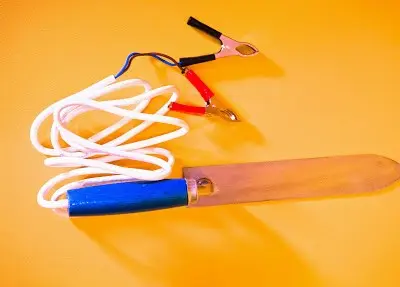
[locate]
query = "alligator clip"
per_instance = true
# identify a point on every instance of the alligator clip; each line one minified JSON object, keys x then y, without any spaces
{"x":229,"y":47}
{"x":210,"y":108}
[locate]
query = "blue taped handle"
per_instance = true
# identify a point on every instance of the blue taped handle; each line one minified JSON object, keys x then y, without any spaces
{"x":127,"y":197}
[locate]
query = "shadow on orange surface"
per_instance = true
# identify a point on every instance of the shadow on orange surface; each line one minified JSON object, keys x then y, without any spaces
{"x":232,"y":136}
{"x":233,"y":68}
{"x":238,"y":69}
{"x":169,"y":246}
{"x":195,"y":246}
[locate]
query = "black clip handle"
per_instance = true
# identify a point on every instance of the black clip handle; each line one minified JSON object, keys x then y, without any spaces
{"x":184,"y":62}
{"x":203,"y":27}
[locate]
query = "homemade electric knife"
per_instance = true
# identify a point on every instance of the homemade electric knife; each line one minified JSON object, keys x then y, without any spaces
{"x":240,"y":183}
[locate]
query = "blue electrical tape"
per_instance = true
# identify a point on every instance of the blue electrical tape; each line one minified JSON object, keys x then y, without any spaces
{"x":127,"y":197}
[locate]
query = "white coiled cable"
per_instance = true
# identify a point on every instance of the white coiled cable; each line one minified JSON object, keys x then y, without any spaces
{"x":91,"y":158}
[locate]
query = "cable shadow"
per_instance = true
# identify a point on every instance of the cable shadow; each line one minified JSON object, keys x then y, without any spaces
{"x":226,"y":136}
{"x":204,"y":246}
{"x":229,"y":69}
{"x":238,"y":68}
{"x":233,"y":136}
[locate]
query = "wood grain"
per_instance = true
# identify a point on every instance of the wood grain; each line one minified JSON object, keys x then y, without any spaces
{"x":295,"y":179}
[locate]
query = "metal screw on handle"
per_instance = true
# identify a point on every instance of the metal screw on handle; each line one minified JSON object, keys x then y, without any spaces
{"x":205,"y":186}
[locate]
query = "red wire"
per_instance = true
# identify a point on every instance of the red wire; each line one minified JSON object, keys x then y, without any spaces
{"x":200,"y":86}
{"x":187,"y":109}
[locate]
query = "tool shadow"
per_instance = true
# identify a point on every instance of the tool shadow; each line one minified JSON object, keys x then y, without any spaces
{"x":206,"y":247}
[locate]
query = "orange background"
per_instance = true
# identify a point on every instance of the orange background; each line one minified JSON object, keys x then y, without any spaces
{"x":327,"y":83}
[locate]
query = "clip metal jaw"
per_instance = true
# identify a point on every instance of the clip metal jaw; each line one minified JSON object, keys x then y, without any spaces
{"x":226,"y":114}
{"x":216,"y":109}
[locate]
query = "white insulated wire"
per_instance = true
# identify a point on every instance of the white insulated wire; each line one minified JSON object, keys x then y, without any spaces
{"x":80,"y":152}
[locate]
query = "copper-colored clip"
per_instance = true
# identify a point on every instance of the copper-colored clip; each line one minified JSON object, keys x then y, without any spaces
{"x":229,"y":46}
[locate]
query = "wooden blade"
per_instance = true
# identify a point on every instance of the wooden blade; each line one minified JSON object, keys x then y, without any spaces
{"x":295,"y":179}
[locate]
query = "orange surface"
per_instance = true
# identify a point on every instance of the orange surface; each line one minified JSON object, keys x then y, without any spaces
{"x":327,"y":83}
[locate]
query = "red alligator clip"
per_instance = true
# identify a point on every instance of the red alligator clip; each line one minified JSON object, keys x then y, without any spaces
{"x":206,"y":94}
